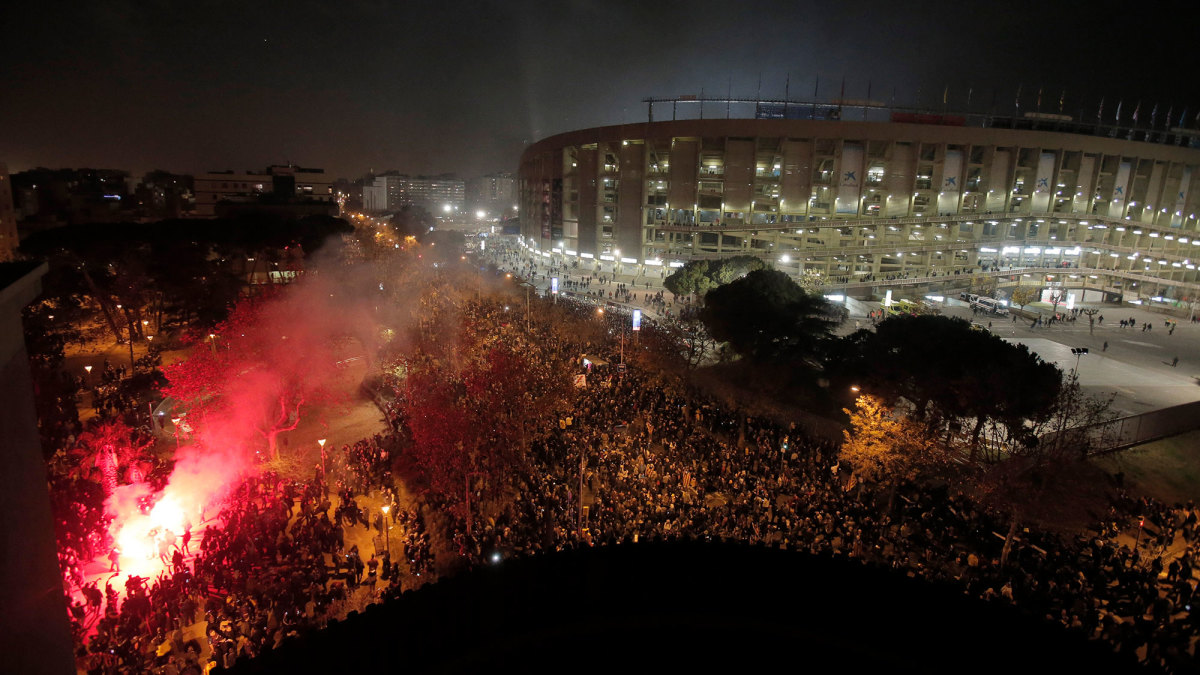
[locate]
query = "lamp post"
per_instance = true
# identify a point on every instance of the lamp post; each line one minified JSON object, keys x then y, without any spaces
{"x":387,"y":538}
{"x":212,"y":343}
{"x":88,"y":369}
{"x":321,"y":442}
{"x":1079,"y":352}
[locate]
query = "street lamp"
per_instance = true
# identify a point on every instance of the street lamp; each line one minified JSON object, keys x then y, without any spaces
{"x":321,"y":442}
{"x":387,"y":538}
{"x":89,"y":373}
{"x":212,"y":342}
{"x":1079,"y":352}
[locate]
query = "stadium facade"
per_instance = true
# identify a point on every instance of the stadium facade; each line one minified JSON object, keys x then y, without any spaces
{"x":919,"y":196}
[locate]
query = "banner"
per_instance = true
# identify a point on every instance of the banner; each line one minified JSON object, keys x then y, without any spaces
{"x":1043,"y":184}
{"x":554,"y":285}
{"x":1185,"y":181}
{"x":637,"y":319}
{"x":850,"y":179}
{"x":1116,"y":208}
{"x":951,"y":177}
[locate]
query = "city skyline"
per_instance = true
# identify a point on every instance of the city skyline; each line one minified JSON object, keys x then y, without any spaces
{"x":437,"y":88}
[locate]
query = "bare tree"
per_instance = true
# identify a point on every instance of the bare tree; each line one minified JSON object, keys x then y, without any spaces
{"x":1091,"y":313}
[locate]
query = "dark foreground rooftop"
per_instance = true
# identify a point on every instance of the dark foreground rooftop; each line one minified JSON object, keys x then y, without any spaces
{"x":703,"y":606}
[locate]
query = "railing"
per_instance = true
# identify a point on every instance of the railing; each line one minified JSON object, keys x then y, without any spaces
{"x":922,"y":220}
{"x":950,"y":276}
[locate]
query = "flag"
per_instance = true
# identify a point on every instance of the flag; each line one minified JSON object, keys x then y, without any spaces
{"x":1018,"y":102}
{"x":970,"y":90}
{"x":1062,"y":100}
{"x":1100,"y":112}
{"x":1182,"y":118}
{"x":1153,"y":115}
{"x":1118,"y":118}
{"x":945,"y":94}
{"x":1039,"y":99}
{"x":1136,"y":108}
{"x":1170,"y":110}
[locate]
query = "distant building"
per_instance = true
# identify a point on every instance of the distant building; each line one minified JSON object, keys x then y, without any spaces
{"x":920,"y":196}
{"x":279,"y":186}
{"x":162,"y":194}
{"x":8,"y":218}
{"x":495,"y":194}
{"x":435,"y":194}
{"x":51,"y":197}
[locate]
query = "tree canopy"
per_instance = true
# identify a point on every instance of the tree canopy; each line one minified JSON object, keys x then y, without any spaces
{"x":953,"y":374}
{"x":272,"y":359}
{"x":701,"y":276}
{"x":765,"y":316}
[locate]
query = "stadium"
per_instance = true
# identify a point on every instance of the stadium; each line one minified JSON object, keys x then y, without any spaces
{"x":867,"y":196}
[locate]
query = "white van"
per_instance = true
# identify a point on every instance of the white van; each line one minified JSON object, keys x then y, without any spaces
{"x":990,"y":305}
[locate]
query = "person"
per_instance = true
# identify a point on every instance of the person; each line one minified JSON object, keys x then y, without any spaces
{"x":114,"y":557}
{"x":1175,"y":362}
{"x":1105,"y":347}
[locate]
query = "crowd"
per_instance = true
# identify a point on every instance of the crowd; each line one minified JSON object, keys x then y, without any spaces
{"x":641,"y":461}
{"x":636,"y":458}
{"x":272,"y":563}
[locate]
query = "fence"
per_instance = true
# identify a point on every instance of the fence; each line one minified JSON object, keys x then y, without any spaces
{"x":1126,"y":432}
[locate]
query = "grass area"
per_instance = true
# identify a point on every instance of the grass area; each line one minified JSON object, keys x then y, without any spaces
{"x":1168,"y":470}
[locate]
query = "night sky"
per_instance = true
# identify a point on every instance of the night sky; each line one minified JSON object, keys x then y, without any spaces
{"x":430,"y":87}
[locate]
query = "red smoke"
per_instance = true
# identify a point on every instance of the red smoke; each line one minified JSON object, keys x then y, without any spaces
{"x":265,"y":367}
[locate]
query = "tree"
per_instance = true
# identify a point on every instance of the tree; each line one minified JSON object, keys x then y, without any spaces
{"x":727,"y":270}
{"x":1057,"y":298}
{"x":117,"y":451}
{"x":272,"y":358}
{"x":1023,"y":295}
{"x":952,"y":375}
{"x":813,"y":283}
{"x":1091,"y":313}
{"x":470,"y":418}
{"x":690,"y":279}
{"x":765,"y":316}
{"x":983,"y":284}
{"x":884,"y":447}
{"x":1042,"y":474}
